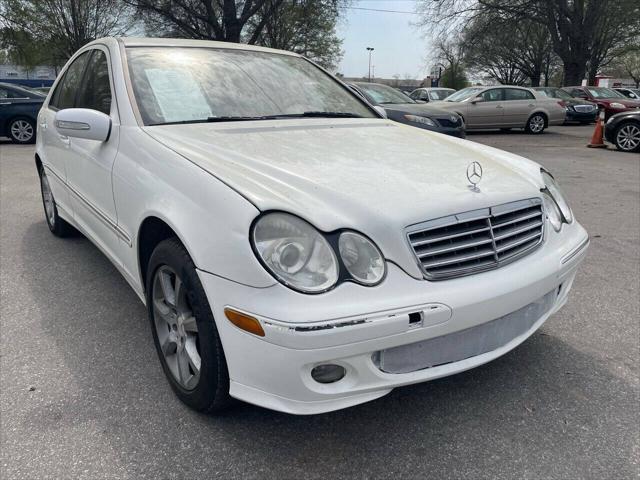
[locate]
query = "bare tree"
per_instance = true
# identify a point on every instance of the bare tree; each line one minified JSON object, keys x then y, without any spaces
{"x":60,"y":27}
{"x":224,"y":20}
{"x":581,"y":31}
{"x":451,"y":55}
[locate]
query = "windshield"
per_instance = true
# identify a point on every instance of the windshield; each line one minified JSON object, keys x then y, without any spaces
{"x":183,"y":85}
{"x":439,"y":94}
{"x":554,"y":93}
{"x":383,"y":94}
{"x":464,"y":94}
{"x":601,"y":92}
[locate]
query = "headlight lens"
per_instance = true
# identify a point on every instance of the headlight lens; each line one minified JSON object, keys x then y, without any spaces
{"x":558,"y":196}
{"x":553,"y":212}
{"x":361,"y":257}
{"x":422,"y":120}
{"x":617,"y":105}
{"x":295,"y":253}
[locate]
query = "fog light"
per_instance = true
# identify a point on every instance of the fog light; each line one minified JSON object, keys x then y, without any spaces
{"x":328,"y":373}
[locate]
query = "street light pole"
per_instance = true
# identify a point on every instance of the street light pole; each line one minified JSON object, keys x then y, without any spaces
{"x":370,"y":50}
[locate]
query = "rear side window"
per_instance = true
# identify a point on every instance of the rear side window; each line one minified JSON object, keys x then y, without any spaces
{"x":95,"y":92}
{"x":65,"y":94}
{"x":517,"y":94}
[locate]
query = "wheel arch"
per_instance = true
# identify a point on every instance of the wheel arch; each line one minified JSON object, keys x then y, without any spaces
{"x":544,"y":114}
{"x":153,"y":230}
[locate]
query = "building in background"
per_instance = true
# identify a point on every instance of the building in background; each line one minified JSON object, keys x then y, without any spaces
{"x":39,"y":76}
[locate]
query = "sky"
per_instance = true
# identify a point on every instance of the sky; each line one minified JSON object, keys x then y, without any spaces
{"x":399,"y":47}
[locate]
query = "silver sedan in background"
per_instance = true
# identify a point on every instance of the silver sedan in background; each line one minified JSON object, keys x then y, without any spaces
{"x":504,"y":107}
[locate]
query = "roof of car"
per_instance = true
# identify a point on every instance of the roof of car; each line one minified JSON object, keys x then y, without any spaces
{"x":186,"y":43}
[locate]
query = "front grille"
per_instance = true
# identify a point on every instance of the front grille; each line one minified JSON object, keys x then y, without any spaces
{"x":584,"y":108}
{"x":469,"y":242}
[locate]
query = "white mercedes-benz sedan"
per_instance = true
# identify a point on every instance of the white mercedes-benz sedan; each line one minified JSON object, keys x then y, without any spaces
{"x":295,"y":249}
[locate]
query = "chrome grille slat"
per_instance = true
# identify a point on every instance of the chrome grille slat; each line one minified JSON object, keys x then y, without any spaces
{"x":419,"y":243}
{"x":517,"y":230}
{"x":455,"y":246}
{"x":478,"y":240}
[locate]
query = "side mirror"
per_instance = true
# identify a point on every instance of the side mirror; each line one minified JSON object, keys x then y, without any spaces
{"x":477,"y":100}
{"x":380,"y":110}
{"x":83,"y":123}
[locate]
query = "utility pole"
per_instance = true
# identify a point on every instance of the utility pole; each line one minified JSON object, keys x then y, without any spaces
{"x":370,"y":50}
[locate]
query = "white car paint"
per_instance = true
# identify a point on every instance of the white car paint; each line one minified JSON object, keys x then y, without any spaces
{"x":210,"y":181}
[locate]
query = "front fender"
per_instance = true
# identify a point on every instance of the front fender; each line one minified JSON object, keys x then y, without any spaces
{"x":211,"y":219}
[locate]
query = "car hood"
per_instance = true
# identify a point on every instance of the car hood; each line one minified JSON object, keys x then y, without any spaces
{"x":422,"y":109}
{"x":627,"y":102}
{"x":372,"y":175}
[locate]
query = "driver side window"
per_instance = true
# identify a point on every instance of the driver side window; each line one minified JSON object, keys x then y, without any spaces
{"x":493,"y":95}
{"x":64,"y":95}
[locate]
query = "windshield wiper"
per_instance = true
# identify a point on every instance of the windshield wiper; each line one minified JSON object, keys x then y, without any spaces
{"x":321,"y":114}
{"x":241,"y":119}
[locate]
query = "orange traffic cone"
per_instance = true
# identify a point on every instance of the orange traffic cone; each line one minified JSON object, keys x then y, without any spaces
{"x":596,"y":139}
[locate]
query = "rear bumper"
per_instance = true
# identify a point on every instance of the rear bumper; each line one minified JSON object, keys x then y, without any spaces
{"x":351,"y":324}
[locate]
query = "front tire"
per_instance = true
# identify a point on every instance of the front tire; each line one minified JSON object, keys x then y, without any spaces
{"x":184,"y":330}
{"x":536,"y":124}
{"x":57,"y":226}
{"x":22,"y":130}
{"x":627,"y":137}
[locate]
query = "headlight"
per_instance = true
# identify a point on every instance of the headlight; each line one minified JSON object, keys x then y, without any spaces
{"x":361,"y":257}
{"x":295,"y":252}
{"x":617,"y":105}
{"x":558,"y":197}
{"x":422,"y":120}
{"x":553,"y":212}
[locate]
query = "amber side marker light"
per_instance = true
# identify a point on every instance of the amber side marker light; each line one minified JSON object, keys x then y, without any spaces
{"x":244,"y":322}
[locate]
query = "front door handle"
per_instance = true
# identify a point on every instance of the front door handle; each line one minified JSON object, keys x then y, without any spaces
{"x":498,"y":106}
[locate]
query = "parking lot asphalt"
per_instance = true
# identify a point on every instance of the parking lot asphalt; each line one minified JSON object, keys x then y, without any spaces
{"x":82,"y":394}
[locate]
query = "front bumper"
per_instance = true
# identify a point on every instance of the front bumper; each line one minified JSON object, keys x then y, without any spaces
{"x":573,"y":116}
{"x":351,"y":324}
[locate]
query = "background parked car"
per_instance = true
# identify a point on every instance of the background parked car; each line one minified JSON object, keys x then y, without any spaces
{"x":431,"y":94}
{"x":633,"y":93}
{"x":578,"y":110}
{"x":401,"y":108}
{"x":504,"y":107}
{"x":623,"y":130}
{"x":18,"y":112}
{"x":611,"y":101}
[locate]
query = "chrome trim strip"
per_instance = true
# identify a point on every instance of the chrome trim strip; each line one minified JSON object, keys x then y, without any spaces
{"x":575,"y":251}
{"x":101,"y":216}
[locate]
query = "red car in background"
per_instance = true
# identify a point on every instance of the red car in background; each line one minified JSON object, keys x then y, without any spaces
{"x":611,"y":101}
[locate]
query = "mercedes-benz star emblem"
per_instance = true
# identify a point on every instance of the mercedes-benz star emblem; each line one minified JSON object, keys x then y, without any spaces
{"x":474,"y":174}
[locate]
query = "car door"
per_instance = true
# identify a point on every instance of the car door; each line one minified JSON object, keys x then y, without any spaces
{"x":56,"y":146}
{"x":485,"y":110}
{"x":518,"y":105}
{"x":90,"y":162}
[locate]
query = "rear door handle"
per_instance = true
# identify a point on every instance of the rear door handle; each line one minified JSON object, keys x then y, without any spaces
{"x":498,"y":106}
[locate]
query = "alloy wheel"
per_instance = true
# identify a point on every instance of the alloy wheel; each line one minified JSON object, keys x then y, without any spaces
{"x":176,"y":327}
{"x":22,"y":131}
{"x":628,"y":137}
{"x":536,"y":124}
{"x":47,"y":197}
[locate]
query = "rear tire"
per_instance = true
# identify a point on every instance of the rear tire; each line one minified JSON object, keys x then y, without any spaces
{"x":57,"y":226}
{"x":627,"y":137}
{"x":22,"y":130}
{"x":184,"y":330}
{"x":536,"y":124}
